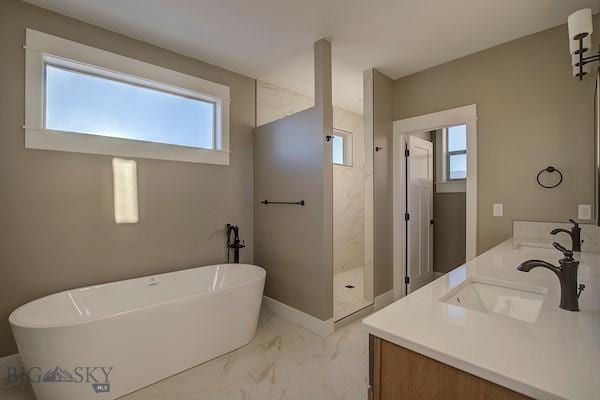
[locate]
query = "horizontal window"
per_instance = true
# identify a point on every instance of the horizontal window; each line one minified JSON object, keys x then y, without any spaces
{"x":87,"y":100}
{"x":83,"y":103}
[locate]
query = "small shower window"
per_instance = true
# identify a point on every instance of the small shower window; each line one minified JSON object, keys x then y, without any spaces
{"x":342,"y":148}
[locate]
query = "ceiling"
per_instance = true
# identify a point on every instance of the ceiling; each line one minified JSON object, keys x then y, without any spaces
{"x":272,"y":40}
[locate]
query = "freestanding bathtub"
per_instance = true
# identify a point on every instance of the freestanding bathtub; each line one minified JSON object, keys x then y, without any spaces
{"x":102,"y":342}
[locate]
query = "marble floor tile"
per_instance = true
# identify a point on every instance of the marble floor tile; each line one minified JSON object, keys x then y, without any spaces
{"x":14,"y":391}
{"x":357,"y":392}
{"x":306,"y":389}
{"x":340,"y":374}
{"x":283,"y":362}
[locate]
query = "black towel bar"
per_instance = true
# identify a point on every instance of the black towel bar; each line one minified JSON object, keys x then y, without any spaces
{"x":294,"y":203}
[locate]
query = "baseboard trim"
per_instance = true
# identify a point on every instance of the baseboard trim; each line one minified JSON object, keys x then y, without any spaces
{"x":9,"y":361}
{"x":384,"y":300}
{"x":313,"y":324}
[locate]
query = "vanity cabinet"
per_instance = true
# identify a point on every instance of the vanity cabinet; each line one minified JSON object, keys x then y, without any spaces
{"x":396,"y":373}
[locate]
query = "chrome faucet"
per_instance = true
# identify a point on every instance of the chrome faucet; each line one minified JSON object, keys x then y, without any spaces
{"x":567,"y":275}
{"x":575,"y":234}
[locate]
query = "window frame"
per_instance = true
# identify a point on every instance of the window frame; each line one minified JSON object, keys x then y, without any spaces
{"x":42,"y":49}
{"x":448,"y":154}
{"x":347,"y":147}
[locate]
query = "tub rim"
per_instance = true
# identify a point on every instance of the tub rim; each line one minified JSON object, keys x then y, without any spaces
{"x":14,"y":322}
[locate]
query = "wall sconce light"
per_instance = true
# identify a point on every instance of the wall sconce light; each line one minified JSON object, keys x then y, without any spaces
{"x":580,"y":42}
{"x":125,"y":191}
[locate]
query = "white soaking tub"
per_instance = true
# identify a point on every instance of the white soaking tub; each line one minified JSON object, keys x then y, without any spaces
{"x":102,"y":342}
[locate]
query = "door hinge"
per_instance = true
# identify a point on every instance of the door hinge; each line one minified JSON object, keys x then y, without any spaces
{"x":407,"y":280}
{"x":407,"y":217}
{"x":406,"y":153}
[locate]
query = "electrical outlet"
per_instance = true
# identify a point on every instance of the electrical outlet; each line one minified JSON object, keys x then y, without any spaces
{"x":498,"y":210}
{"x":584,"y":211}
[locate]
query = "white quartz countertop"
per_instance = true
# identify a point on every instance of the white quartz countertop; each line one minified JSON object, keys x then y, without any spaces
{"x":555,"y":357}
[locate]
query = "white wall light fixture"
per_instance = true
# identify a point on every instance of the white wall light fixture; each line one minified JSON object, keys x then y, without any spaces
{"x":125,"y":191}
{"x":580,"y":42}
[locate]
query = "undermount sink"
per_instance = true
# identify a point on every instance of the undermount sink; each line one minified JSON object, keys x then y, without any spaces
{"x":535,"y":247}
{"x":517,"y":301}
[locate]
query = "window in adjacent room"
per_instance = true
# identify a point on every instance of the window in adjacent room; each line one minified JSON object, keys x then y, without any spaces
{"x":342,"y":148}
{"x":456,"y":154}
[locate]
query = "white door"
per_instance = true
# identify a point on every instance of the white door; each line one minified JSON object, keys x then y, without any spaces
{"x":420,"y":212}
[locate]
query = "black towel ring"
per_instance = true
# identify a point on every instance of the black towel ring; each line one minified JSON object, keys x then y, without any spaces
{"x":550,"y":170}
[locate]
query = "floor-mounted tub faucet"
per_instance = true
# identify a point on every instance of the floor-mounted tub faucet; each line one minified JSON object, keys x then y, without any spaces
{"x":236,"y":244}
{"x":567,"y":275}
{"x":575,"y":234}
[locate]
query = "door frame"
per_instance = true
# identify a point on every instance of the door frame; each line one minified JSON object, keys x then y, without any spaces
{"x":428,"y":122}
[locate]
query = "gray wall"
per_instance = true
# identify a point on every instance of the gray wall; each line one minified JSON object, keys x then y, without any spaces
{"x":273,"y":103}
{"x":382,"y":183}
{"x":56,"y":208}
{"x":450,"y":213}
{"x":449,"y":232}
{"x":288,"y":167}
{"x":292,"y":162}
{"x":531,"y":113}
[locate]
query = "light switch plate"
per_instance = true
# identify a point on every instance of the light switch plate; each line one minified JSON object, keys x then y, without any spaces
{"x":498,"y":210}
{"x":584,"y":211}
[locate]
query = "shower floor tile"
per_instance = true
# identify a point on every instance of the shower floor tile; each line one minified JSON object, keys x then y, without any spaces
{"x":348,"y":293}
{"x":283,"y":362}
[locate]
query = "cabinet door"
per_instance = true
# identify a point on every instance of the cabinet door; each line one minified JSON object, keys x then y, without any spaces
{"x":397,"y":373}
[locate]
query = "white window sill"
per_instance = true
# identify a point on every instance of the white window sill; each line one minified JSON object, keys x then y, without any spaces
{"x":45,"y":139}
{"x":458,"y":186}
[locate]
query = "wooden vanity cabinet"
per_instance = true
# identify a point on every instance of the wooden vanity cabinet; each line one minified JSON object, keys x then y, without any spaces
{"x":396,"y":373}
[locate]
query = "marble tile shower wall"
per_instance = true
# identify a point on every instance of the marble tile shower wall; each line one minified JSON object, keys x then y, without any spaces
{"x":272,"y":103}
